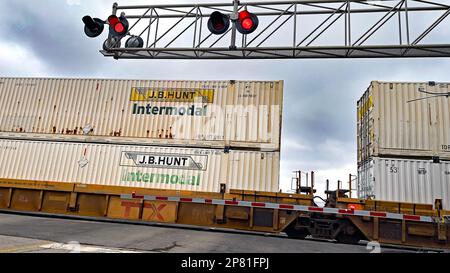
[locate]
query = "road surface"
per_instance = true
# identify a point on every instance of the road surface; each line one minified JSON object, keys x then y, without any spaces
{"x":24,"y":233}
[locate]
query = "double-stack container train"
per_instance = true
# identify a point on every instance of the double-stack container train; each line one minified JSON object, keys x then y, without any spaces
{"x":207,"y":153}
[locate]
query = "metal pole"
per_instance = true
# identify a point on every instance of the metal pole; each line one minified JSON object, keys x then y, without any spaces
{"x":234,"y":18}
{"x":195,"y":28}
{"x":312,"y":183}
{"x":400,"y":26}
{"x":349,"y":23}
{"x":149,"y":27}
{"x":110,"y":40}
{"x":295,"y":27}
{"x":350,"y":184}
{"x":307,"y":179}
{"x":346,"y":24}
{"x":115,"y":7}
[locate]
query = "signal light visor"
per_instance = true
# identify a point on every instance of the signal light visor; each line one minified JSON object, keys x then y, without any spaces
{"x":218,"y":23}
{"x":113,"y":20}
{"x":93,"y":27}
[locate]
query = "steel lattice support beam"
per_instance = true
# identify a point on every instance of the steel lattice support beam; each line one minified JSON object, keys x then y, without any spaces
{"x":291,"y":29}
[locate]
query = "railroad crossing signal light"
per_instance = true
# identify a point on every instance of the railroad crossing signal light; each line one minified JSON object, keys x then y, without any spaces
{"x":247,"y":22}
{"x":218,"y":23}
{"x":118,"y":26}
{"x":93,"y":27}
{"x":134,"y":42}
{"x":118,"y":29}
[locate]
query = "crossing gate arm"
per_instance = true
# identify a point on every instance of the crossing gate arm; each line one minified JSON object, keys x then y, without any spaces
{"x":288,"y":207}
{"x":384,"y":227}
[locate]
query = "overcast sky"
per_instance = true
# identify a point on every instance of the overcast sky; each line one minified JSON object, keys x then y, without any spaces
{"x":46,"y":39}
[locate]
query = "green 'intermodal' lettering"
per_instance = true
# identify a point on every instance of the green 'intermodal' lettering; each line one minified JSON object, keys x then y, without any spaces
{"x":160,"y":178}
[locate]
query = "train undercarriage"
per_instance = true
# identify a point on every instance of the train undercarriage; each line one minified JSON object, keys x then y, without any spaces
{"x":346,"y":220}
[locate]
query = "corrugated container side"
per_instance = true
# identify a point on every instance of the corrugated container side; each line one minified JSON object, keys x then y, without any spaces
{"x":444,"y":173}
{"x":366,"y":180}
{"x":396,"y":119}
{"x":241,"y":113}
{"x":139,"y":166}
{"x":405,"y":180}
{"x":442,"y":121}
{"x":365,"y":123}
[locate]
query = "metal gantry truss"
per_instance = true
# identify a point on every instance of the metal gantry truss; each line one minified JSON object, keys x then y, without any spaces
{"x":292,"y":29}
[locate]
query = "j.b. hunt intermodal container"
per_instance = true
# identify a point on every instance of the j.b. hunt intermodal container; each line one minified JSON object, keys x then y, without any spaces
{"x":244,"y":114}
{"x":398,"y":119}
{"x":187,"y":169}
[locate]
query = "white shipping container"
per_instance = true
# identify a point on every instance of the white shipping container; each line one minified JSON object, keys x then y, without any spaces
{"x":139,"y":166}
{"x":404,"y":119}
{"x":405,"y":180}
{"x":225,"y":113}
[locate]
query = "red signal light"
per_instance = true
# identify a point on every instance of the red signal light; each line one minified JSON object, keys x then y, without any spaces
{"x":355,"y":207}
{"x":119,"y":28}
{"x":247,"y":22}
{"x":118,"y":25}
{"x":244,"y":15}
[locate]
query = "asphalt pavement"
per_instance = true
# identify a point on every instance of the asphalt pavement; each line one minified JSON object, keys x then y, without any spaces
{"x":24,"y":233}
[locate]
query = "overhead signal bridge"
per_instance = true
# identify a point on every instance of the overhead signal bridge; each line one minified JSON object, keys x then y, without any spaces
{"x":278,"y":30}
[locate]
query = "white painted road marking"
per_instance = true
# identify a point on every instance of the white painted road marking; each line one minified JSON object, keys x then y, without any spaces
{"x":73,"y":247}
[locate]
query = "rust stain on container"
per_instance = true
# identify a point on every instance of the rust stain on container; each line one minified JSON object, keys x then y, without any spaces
{"x":244,"y":113}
